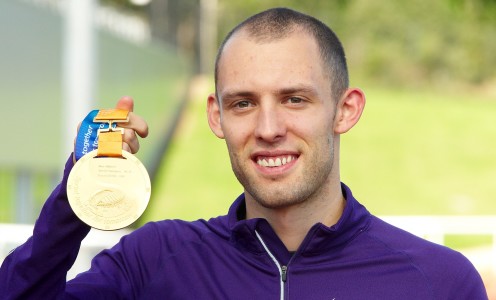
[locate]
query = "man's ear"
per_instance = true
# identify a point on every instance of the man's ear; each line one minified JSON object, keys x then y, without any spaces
{"x":349,"y":110}
{"x":213,"y":115}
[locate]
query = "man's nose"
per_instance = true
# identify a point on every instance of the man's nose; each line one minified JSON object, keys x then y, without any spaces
{"x":270,"y":125}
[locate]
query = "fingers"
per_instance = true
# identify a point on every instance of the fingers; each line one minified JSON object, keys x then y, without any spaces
{"x":126,"y":147}
{"x":130,"y":142}
{"x":126,"y":103}
{"x":138,"y":124}
{"x":135,"y":122}
{"x":135,"y":126}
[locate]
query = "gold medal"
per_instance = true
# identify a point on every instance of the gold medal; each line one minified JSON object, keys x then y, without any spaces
{"x":108,"y":188}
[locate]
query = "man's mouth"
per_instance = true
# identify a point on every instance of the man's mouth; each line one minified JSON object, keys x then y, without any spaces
{"x":275,"y":161}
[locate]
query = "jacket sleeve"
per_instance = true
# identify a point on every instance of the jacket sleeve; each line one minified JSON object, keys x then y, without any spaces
{"x":38,"y":268}
{"x":469,"y":284}
{"x":455,"y":278}
{"x":123,"y":271}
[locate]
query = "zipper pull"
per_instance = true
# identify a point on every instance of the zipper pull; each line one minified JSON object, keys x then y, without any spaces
{"x":284,"y":273}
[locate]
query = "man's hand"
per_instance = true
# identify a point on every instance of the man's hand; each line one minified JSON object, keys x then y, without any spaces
{"x":135,"y":126}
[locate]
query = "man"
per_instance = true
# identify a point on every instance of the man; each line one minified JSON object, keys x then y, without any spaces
{"x":281,"y":103}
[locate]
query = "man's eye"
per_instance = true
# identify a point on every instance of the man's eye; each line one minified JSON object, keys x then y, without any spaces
{"x":294,"y":100}
{"x":242,"y":104}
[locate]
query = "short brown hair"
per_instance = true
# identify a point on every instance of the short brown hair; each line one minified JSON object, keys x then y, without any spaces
{"x":278,"y":23}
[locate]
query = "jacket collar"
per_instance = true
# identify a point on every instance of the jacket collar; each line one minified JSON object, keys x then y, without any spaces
{"x":319,"y":239}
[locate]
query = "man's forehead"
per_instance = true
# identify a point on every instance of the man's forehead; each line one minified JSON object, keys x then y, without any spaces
{"x":244,"y":41}
{"x":276,"y":66}
{"x":268,"y":36}
{"x":241,"y":36}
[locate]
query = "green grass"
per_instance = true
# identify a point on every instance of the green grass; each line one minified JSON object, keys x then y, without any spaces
{"x":411,"y":153}
{"x":456,"y":241}
{"x":422,"y":153}
{"x":195,"y":179}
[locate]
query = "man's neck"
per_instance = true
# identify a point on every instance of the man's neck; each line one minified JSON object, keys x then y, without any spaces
{"x":292,"y":223}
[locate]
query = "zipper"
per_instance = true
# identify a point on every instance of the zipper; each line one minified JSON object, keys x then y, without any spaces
{"x":284,"y":273}
{"x":283,"y":270}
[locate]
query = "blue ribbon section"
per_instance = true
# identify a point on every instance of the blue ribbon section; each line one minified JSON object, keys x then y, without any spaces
{"x":87,"y":137}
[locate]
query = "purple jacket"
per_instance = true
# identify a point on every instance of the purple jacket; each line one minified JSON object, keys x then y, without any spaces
{"x":361,"y":257}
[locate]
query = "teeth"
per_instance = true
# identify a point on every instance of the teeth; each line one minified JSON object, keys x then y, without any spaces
{"x":271,"y":162}
{"x":275,"y":163}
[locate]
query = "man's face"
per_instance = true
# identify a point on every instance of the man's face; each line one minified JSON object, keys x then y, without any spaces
{"x":276,"y":115}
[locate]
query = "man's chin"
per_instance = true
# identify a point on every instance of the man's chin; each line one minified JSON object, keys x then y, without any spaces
{"x":277,"y":200}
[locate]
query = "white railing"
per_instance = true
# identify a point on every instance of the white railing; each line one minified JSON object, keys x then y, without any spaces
{"x":436,"y":228}
{"x":433,"y":228}
{"x":13,"y":235}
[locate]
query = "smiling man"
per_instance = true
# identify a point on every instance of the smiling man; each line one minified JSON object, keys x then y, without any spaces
{"x":275,"y":108}
{"x":281,"y":103}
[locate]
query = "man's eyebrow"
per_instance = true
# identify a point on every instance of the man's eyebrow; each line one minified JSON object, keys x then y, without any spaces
{"x":303,"y":89}
{"x":236,"y":94}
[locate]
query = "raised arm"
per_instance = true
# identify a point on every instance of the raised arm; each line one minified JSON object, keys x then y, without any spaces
{"x":38,"y":268}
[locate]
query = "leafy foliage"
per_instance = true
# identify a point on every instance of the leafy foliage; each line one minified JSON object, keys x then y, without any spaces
{"x":403,"y":43}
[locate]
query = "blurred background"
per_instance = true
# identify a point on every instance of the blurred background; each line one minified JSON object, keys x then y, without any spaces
{"x":422,"y":156}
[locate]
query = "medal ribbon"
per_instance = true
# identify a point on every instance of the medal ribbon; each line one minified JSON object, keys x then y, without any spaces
{"x":92,"y":127}
{"x":110,"y":140}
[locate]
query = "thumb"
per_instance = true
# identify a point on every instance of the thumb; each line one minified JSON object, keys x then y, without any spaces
{"x":126,"y":103}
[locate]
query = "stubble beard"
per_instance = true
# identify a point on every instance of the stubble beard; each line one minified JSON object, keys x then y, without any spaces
{"x":281,"y":194}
